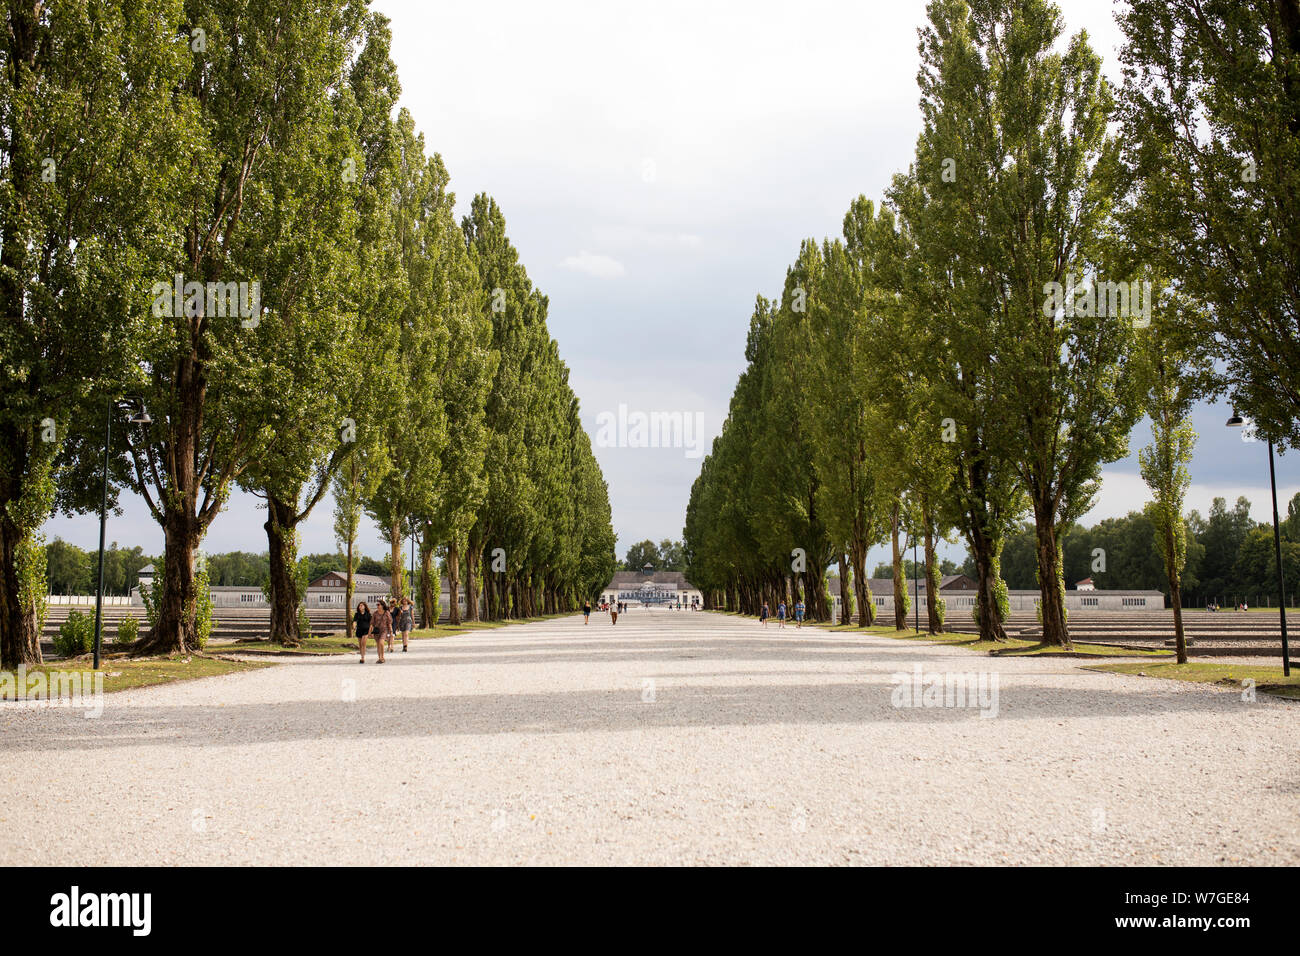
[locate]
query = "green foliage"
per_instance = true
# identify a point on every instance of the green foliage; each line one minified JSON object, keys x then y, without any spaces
{"x":128,"y":631}
{"x":641,"y":554}
{"x":1210,"y":104}
{"x":76,"y":635}
{"x":31,"y":564}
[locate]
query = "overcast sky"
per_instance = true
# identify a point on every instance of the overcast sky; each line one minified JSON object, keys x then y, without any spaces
{"x":658,"y":165}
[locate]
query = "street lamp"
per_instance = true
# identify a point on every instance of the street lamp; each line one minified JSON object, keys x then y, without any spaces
{"x":140,"y":417}
{"x":1236,"y":421}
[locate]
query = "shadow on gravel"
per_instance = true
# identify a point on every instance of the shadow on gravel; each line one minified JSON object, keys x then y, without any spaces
{"x":675,"y":706}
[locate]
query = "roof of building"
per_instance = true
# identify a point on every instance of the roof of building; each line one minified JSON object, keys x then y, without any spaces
{"x":632,"y":579}
{"x":369,"y":581}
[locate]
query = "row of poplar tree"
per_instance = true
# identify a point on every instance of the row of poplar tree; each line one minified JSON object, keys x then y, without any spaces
{"x":376,"y":347}
{"x":923,"y":375}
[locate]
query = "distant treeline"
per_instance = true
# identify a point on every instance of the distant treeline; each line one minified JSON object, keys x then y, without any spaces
{"x":1230,"y":557}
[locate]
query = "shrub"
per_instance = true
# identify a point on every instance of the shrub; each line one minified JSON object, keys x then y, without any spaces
{"x":76,"y":635}
{"x":128,"y":631}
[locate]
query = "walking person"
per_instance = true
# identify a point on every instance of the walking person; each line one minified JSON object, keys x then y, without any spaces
{"x":363,"y":619}
{"x":405,"y":623}
{"x":586,"y":611}
{"x":613,"y":613}
{"x":381,"y":625}
{"x":780,"y":614}
{"x":763,"y":614}
{"x":798,"y":613}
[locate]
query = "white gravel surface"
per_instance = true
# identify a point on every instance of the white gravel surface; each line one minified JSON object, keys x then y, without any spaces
{"x":674,"y":737}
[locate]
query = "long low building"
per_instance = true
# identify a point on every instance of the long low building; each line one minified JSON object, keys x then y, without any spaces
{"x":327,"y":591}
{"x":958,"y":592}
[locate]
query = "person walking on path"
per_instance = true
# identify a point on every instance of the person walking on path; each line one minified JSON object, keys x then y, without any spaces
{"x":362,"y":620}
{"x":780,"y":614}
{"x":405,"y":623}
{"x":613,"y":614}
{"x":586,"y":612}
{"x":798,"y":613}
{"x":381,"y":625}
{"x":763,"y":614}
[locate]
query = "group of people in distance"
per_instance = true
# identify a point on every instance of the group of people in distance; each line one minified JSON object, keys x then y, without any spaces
{"x":383,"y":623}
{"x":1243,"y":606}
{"x":614,"y":610}
{"x":765,"y":612}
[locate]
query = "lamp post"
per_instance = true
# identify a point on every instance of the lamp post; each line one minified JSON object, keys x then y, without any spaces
{"x":1236,"y":421}
{"x":141,"y":417}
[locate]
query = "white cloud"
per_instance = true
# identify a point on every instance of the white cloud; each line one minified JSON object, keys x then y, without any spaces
{"x":602,"y":267}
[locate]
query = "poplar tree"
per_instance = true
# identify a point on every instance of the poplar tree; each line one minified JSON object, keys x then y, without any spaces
{"x":93,"y":146}
{"x":260,"y":208}
{"x":1211,"y":113}
{"x":1014,"y":184}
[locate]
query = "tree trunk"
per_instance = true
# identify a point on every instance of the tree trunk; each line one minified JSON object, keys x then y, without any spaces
{"x":347,"y":601}
{"x":471,"y":582}
{"x":900,"y":586}
{"x":988,"y":569}
{"x":1175,"y":596}
{"x":932,"y":580}
{"x":862,"y":590}
{"x":283,"y":552}
{"x":453,"y":582}
{"x":397,"y":590}
{"x":846,"y":590}
{"x":177,"y":629}
{"x":20,"y":639}
{"x":428,"y":599}
{"x":1051,"y":584}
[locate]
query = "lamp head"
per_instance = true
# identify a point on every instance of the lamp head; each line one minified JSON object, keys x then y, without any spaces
{"x":141,"y":417}
{"x":1236,"y":421}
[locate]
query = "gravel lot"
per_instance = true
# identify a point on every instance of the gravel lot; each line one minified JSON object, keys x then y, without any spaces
{"x":673,"y":737}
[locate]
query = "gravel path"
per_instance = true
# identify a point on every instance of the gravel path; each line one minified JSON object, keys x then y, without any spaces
{"x":674,"y":737}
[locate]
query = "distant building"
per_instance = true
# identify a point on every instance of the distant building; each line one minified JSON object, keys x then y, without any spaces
{"x":958,"y":592}
{"x":651,"y":587}
{"x":327,"y":591}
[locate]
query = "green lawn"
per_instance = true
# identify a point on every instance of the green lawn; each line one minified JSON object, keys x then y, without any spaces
{"x":123,"y":673}
{"x":1268,"y":679}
